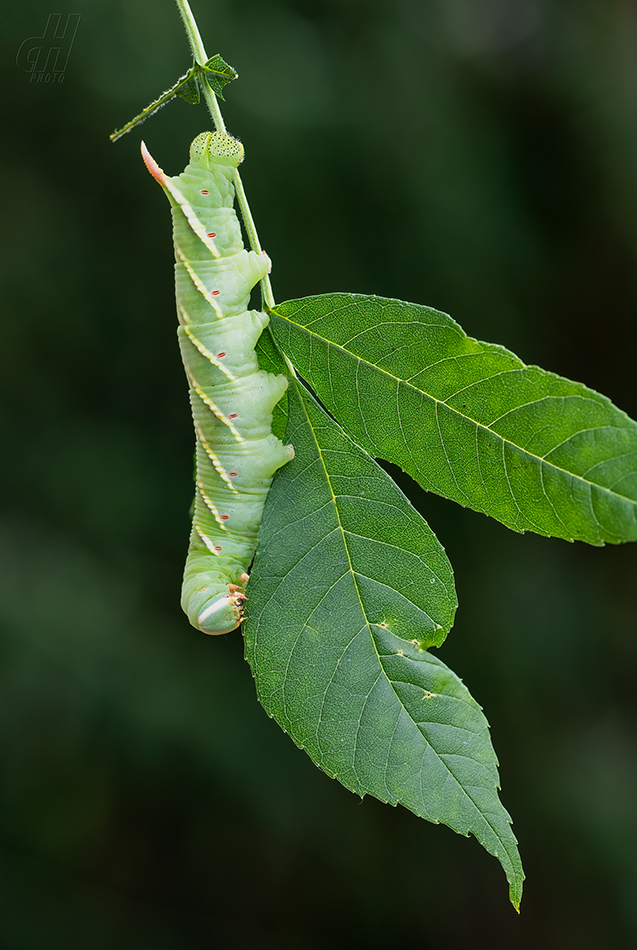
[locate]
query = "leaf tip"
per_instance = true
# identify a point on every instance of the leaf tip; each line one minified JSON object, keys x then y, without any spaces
{"x":515,"y":890}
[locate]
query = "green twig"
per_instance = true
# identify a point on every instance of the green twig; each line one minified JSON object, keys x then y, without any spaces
{"x":185,"y":87}
{"x":194,"y":36}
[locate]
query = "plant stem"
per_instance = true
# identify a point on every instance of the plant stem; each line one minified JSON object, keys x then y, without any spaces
{"x":201,"y":58}
{"x":194,"y":36}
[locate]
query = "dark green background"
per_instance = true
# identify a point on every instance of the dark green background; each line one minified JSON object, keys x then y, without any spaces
{"x":480,"y":157}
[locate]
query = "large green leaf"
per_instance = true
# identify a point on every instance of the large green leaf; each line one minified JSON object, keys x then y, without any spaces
{"x":348,"y":587}
{"x":466,"y":419}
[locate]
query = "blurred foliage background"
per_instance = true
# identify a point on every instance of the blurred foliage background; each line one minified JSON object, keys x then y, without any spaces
{"x":480,"y":157}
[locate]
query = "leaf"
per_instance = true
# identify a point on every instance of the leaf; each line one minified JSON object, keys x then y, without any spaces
{"x":348,"y":585}
{"x":271,"y":360}
{"x":218,"y":73}
{"x":467,"y":420}
{"x":189,"y":90}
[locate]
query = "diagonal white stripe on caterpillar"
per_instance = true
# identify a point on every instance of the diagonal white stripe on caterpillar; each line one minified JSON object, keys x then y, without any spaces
{"x":231,"y":398}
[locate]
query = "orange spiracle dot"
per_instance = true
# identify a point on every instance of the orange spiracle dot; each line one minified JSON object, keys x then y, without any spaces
{"x":212,"y":234}
{"x":221,"y":354}
{"x":215,"y":293}
{"x":224,"y":517}
{"x":232,"y":474}
{"x":204,"y":191}
{"x":217,"y":547}
{"x":233,"y":415}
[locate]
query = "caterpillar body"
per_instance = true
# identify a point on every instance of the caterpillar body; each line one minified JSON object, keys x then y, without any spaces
{"x":232,"y":399}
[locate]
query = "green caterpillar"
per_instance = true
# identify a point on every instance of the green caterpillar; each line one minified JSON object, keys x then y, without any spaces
{"x":232,"y":399}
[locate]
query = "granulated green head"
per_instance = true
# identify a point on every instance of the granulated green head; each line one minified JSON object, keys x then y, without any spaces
{"x":216,"y":147}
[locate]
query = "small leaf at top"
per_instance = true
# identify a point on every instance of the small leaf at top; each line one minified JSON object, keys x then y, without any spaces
{"x":189,"y":89}
{"x":218,"y":73}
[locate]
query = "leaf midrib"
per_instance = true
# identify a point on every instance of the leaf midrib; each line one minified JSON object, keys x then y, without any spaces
{"x":380,"y":663}
{"x":441,"y":402}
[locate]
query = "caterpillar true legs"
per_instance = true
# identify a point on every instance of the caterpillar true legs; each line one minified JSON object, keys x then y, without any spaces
{"x":232,"y":399}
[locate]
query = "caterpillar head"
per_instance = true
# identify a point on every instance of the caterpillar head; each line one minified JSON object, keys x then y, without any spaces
{"x":216,"y":148}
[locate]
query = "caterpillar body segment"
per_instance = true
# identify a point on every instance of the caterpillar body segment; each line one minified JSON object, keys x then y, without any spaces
{"x":231,"y":398}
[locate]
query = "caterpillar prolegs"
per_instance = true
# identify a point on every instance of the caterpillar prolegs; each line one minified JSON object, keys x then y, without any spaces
{"x":231,"y":398}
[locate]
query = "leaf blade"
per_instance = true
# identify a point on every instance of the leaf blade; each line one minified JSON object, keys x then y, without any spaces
{"x":532,"y":449}
{"x":218,"y":73}
{"x":338,"y":667}
{"x":271,"y":361}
